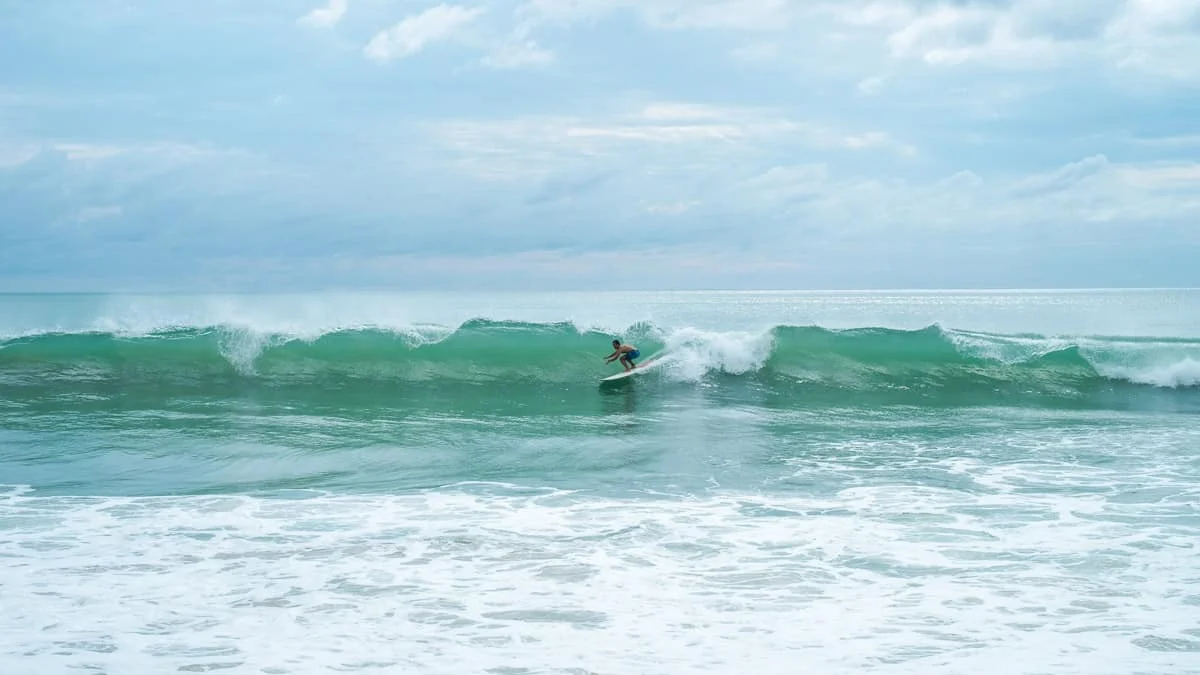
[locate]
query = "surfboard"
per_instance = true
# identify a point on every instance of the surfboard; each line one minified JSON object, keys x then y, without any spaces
{"x":629,"y":373}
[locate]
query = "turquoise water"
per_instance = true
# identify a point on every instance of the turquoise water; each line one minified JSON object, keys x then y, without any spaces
{"x":901,"y":482}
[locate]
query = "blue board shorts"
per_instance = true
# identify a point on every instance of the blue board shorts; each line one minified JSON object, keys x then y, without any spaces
{"x":633,"y":354}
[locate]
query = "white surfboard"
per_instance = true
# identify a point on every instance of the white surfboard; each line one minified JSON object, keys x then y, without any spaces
{"x":629,"y":373}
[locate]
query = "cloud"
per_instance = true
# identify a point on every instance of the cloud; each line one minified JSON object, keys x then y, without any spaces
{"x":659,"y":133}
{"x":89,"y":151}
{"x":878,"y":139}
{"x":16,"y":154}
{"x":436,"y":24}
{"x":1065,"y":177}
{"x":328,"y":16}
{"x":1153,"y":195}
{"x":160,"y":151}
{"x":1015,"y":34}
{"x":739,"y":15}
{"x":1158,"y":37}
{"x":870,"y":86}
{"x":1094,"y":199}
{"x":1155,"y":36}
{"x":1179,"y":141}
{"x":710,"y":135}
{"x":881,"y":141}
{"x":811,"y":223}
{"x":97,"y":213}
{"x":1165,"y":175}
{"x":957,"y":34}
{"x":518,"y":53}
{"x":670,"y":209}
{"x":780,"y":185}
{"x":685,"y":112}
{"x":649,"y":268}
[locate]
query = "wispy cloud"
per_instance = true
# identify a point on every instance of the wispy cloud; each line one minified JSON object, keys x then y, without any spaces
{"x":155,"y":151}
{"x":16,"y":154}
{"x":1036,"y":35}
{"x":97,"y":213}
{"x":532,"y":145}
{"x":327,"y":16}
{"x":1181,"y":141}
{"x":739,"y":15}
{"x":670,"y":209}
{"x":518,"y":54}
{"x":436,"y":24}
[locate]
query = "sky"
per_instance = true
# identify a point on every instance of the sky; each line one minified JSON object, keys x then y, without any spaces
{"x":226,"y":145}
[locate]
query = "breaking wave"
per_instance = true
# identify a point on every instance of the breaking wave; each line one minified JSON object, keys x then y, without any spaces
{"x":482,"y":351}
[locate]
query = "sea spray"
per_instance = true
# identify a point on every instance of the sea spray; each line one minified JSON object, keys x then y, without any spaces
{"x":692,"y":354}
{"x":895,"y":482}
{"x":935,"y":360}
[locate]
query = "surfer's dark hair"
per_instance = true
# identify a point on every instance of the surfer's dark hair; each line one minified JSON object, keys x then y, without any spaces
{"x":616,"y":342}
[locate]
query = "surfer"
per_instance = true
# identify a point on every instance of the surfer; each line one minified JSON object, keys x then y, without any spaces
{"x":627,"y":353}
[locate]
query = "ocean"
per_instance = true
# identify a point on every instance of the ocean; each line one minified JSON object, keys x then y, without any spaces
{"x":816,"y":482}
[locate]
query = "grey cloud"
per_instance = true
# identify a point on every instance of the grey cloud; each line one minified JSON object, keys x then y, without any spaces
{"x":438,"y":170}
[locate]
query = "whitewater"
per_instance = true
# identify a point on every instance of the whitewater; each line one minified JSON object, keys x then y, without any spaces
{"x":936,"y":481}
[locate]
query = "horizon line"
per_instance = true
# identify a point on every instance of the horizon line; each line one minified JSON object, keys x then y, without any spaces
{"x":909,"y":289}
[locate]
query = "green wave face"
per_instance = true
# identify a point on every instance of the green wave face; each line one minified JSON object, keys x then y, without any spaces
{"x":870,"y":358}
{"x":790,"y":365}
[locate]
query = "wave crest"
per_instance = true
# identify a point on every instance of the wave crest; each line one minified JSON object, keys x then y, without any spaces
{"x":481,"y":350}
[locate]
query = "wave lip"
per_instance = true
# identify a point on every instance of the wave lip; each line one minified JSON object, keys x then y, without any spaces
{"x":1180,"y":374}
{"x":863,"y":359}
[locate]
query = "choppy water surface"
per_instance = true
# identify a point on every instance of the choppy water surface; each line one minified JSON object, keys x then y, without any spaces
{"x":921,"y":482}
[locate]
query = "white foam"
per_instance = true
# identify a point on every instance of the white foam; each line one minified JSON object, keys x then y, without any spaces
{"x":1183,"y":373}
{"x":693,"y":326}
{"x":692,"y":353}
{"x":299,"y":316}
{"x":1009,"y":349}
{"x":1158,"y":363}
{"x":304,"y":314}
{"x":482,"y":578}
